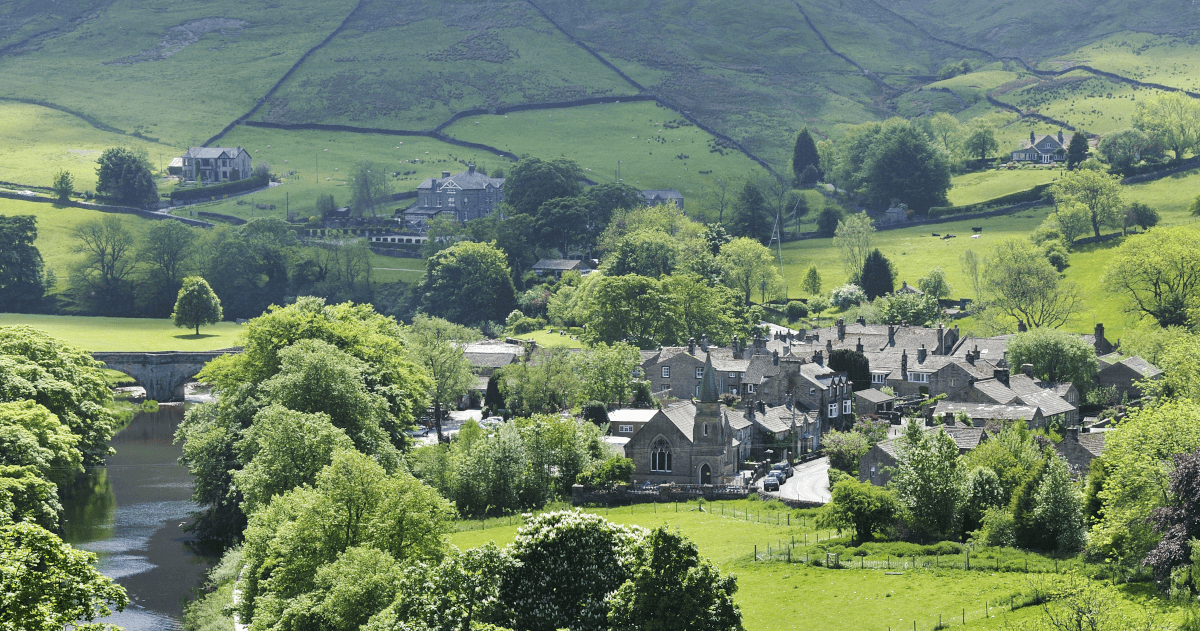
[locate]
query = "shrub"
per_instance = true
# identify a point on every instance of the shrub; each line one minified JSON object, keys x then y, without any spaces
{"x":796,"y":310}
{"x":518,"y":323}
{"x":837,"y":475}
{"x":595,"y":411}
{"x":847,"y":296}
{"x":604,"y":473}
{"x":220,"y":190}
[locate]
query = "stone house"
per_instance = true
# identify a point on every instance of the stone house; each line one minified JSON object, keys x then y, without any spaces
{"x":690,"y":442}
{"x":924,"y":373}
{"x":558,"y":267}
{"x":678,"y":371}
{"x":1079,"y":449}
{"x":1124,"y":374}
{"x":1044,"y":149}
{"x":872,"y":402}
{"x":468,"y":195}
{"x":215,"y":164}
{"x":875,"y":466}
{"x":669,"y":196}
{"x":627,"y":422}
{"x":980,"y":413}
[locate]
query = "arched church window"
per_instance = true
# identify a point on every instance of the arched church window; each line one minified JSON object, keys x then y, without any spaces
{"x":660,"y":456}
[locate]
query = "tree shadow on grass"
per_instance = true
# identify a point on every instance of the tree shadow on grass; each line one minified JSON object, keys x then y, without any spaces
{"x":193,"y":336}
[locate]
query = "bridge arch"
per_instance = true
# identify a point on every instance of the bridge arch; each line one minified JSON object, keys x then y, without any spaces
{"x":163,"y":374}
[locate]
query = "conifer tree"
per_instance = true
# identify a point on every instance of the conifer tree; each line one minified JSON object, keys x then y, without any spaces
{"x":804,"y":156}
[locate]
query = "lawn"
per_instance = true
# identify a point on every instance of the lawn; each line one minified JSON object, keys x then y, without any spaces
{"x":778,"y":595}
{"x":973,"y":188}
{"x":36,"y":142}
{"x":313,"y":163}
{"x":128,"y":334}
{"x":1166,"y":59}
{"x":552,"y":337}
{"x":655,"y":147}
{"x":389,"y":269}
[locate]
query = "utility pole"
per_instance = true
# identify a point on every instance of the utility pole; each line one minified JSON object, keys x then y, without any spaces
{"x":618,"y":170}
{"x":318,"y":168}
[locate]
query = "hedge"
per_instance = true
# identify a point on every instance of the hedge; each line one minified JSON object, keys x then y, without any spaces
{"x":1028,"y":195}
{"x":217,"y":191}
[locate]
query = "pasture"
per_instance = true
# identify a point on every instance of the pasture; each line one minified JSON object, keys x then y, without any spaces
{"x":774,"y":594}
{"x":128,"y":334}
{"x":1171,"y":60}
{"x":1090,"y":103}
{"x":980,"y":186}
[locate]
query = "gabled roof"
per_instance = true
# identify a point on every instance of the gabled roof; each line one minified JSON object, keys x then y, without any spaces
{"x":491,"y":360}
{"x":467,"y":180}
{"x":987,"y":411}
{"x":990,"y":348}
{"x":760,"y":368}
{"x":631,"y":415}
{"x":1141,"y":366}
{"x":560,"y":264}
{"x":213,"y":152}
{"x":1048,"y":402}
{"x":683,"y":416}
{"x":995,"y":391}
{"x":776,"y":420}
{"x":874,"y":396}
{"x":665,"y":194}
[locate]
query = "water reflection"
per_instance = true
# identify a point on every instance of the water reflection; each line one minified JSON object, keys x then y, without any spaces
{"x":131,"y":514}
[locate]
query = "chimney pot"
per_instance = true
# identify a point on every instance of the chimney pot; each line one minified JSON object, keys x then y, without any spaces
{"x":921,"y":354}
{"x":445,"y":174}
{"x":1027,"y":369}
{"x":691,"y":346}
{"x":471,"y":167}
{"x":859,"y":347}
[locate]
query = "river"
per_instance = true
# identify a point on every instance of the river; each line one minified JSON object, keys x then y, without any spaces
{"x":131,"y":513}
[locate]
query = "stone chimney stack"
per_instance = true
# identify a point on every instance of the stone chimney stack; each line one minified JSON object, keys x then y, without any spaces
{"x":861,"y":321}
{"x":470,"y":167}
{"x":1027,"y":369}
{"x":829,"y":347}
{"x":1001,"y":375}
{"x":904,"y":365}
{"x":941,"y":349}
{"x":921,"y":354}
{"x":891,"y":335}
{"x":445,"y":174}
{"x":859,"y":346}
{"x":841,"y":329}
{"x":704,"y":342}
{"x":819,"y":358}
{"x":1031,"y":138}
{"x":1060,"y":137}
{"x":691,"y":346}
{"x":775,"y":357}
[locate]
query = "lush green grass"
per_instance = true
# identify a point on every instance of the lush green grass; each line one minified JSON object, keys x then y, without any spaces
{"x":973,"y":188}
{"x":973,"y":86}
{"x":128,"y":334}
{"x":36,"y":142}
{"x":551,"y":337}
{"x":389,"y":269}
{"x":1087,"y":102}
{"x":1167,"y":59}
{"x":598,"y":136}
{"x":778,"y":595}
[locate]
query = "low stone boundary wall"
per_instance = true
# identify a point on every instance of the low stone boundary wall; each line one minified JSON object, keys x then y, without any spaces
{"x":663,"y":494}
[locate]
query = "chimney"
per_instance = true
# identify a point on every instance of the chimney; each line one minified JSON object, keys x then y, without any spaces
{"x":941,"y":349}
{"x":470,"y":167}
{"x":1073,"y":433}
{"x":841,"y":328}
{"x":904,"y":365}
{"x":861,"y":321}
{"x":921,"y":354}
{"x":762,"y":408}
{"x":1027,"y":370}
{"x":819,"y":358}
{"x":972,"y":355}
{"x":775,"y":357}
{"x":1100,"y":341}
{"x":704,"y":342}
{"x":1021,"y":328}
{"x":859,"y":346}
{"x":1001,"y":375}
{"x":445,"y":174}
{"x":1060,"y":137}
{"x":760,"y":344}
{"x":891,"y":335}
{"x":1031,"y":138}
{"x":691,"y":346}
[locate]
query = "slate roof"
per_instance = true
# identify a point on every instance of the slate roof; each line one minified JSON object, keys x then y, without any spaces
{"x":683,"y":416}
{"x":990,"y":348}
{"x":629,"y":415}
{"x":1053,"y":144}
{"x":665,"y":194}
{"x":760,"y":368}
{"x":490,"y":360}
{"x":722,"y":357}
{"x":560,"y":264}
{"x":965,"y":437}
{"x":1093,"y":442}
{"x":1141,"y":366}
{"x":467,"y":180}
{"x":989,"y":411}
{"x":1048,"y":402}
{"x":874,"y":396}
{"x":213,"y":152}
{"x":775,"y":420}
{"x":995,"y":391}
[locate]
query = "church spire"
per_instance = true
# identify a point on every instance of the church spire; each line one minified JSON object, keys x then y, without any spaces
{"x":708,"y":383}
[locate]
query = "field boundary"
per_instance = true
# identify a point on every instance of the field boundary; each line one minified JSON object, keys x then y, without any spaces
{"x":65,"y":110}
{"x":866,"y":73}
{"x":104,"y":208}
{"x":380,"y":130}
{"x":1186,"y":165}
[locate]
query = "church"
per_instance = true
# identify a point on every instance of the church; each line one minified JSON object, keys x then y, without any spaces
{"x":690,"y":442}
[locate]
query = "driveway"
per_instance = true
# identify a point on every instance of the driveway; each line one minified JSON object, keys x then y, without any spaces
{"x":809,"y":482}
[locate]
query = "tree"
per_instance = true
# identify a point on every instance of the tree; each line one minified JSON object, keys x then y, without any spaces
{"x":877,"y":277}
{"x":981,"y":142}
{"x":48,"y":585}
{"x":437,"y":345}
{"x":671,"y":588}
{"x":102,"y":275}
{"x":981,"y":492}
{"x":970,"y":265}
{"x":911,"y":308}
{"x":854,"y":364}
{"x":32,"y":436}
{"x":369,"y":188}
{"x":1059,"y":510}
{"x":903,"y":165}
{"x":1099,"y":192}
{"x":22,"y":278}
{"x":63,"y":185}
{"x":26,"y":496}
{"x":196,"y":305}
{"x":812,"y":281}
{"x":1124,"y":148}
{"x":606,"y":372}
{"x":746,"y":264}
{"x":860,"y":507}
{"x":1178,"y":521}
{"x":946,"y":131}
{"x":928,"y":481}
{"x":1078,"y":150}
{"x":648,"y":253}
{"x":1158,"y":273}
{"x":468,"y":283}
{"x":847,"y":296}
{"x":542,"y":384}
{"x":1024,"y":285}
{"x":751,"y":216}
{"x":1071,"y":219}
{"x":828,"y":220}
{"x":701,"y":308}
{"x":1056,"y":356}
{"x":1172,"y":118}
{"x":1140,"y":215}
{"x":561,"y":223}
{"x":124,"y":175}
{"x":167,"y":248}
{"x":1010,"y":454}
{"x":533,"y":182}
{"x":934,"y":283}
{"x":602,"y":200}
{"x":630,"y":308}
{"x":845,"y":449}
{"x":853,"y":238}
{"x":803,"y":156}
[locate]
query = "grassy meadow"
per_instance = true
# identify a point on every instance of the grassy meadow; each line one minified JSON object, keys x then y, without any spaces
{"x":1090,"y":103}
{"x":128,"y":334}
{"x":774,"y":594}
{"x":655,"y":150}
{"x":980,"y":186}
{"x":1172,"y":60}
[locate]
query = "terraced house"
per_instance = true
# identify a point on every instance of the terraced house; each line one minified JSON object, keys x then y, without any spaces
{"x":216,"y":164}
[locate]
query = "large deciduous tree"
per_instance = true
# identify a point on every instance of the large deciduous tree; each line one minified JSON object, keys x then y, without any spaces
{"x":630,"y":308}
{"x":1158,"y":273}
{"x":860,"y":507}
{"x":1056,"y":356}
{"x":606,"y":372}
{"x":22,"y":279}
{"x":1124,"y":148}
{"x":902,"y":164}
{"x":928,"y":481}
{"x":853,"y":238}
{"x":533,"y":181}
{"x":125,"y":176}
{"x":649,"y":253}
{"x":562,"y":223}
{"x":468,"y":283}
{"x":747,"y":265}
{"x":1178,"y":521}
{"x":1024,"y":285}
{"x":166,"y":251}
{"x":1172,"y":118}
{"x":102,"y":276}
{"x":1099,"y":192}
{"x":369,"y":188}
{"x":437,"y":345}
{"x":197,"y":304}
{"x":981,"y":142}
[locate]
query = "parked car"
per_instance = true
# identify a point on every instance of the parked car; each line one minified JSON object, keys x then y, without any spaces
{"x":770,"y":483}
{"x":784,"y":469}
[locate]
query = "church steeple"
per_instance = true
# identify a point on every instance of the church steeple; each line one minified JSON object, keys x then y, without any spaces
{"x":708,"y":383}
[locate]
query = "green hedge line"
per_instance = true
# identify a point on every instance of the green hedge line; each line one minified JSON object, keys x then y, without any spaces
{"x":1028,"y":195}
{"x":217,"y":191}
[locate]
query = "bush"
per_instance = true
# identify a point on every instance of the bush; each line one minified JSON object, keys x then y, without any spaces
{"x":847,"y":296}
{"x":220,"y":190}
{"x":518,"y":323}
{"x":595,"y":412}
{"x":998,"y":530}
{"x":837,"y":475}
{"x":796,"y":310}
{"x":1056,"y":253}
{"x":607,"y":473}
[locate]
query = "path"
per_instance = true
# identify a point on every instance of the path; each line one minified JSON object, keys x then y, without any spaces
{"x":809,"y":482}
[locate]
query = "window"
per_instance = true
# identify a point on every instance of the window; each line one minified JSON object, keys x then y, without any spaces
{"x":666,"y":372}
{"x":741,"y":375}
{"x":697,"y":391}
{"x":953,"y":382}
{"x":706,"y":429}
{"x":450,"y":201}
{"x":918,"y":377}
{"x":732,"y":375}
{"x":846,"y":406}
{"x":812,"y":392}
{"x":879,"y":377}
{"x":665,"y":387}
{"x":439,"y":202}
{"x":749,"y":387}
{"x":660,"y":456}
{"x":833,"y":409}
{"x":625,"y":429}
{"x":700,"y":373}
{"x":733,"y":390}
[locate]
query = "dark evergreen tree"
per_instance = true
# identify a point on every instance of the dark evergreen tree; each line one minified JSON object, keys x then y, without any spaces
{"x":855,"y":365}
{"x":827,"y":221}
{"x":21,"y":277}
{"x":1022,"y":505}
{"x":903,"y":164}
{"x":492,"y":399}
{"x":1179,"y":522}
{"x":804,"y":156}
{"x":1077,"y":151}
{"x":534,"y":182}
{"x":878,"y":278}
{"x":124,"y":175}
{"x":751,"y":215}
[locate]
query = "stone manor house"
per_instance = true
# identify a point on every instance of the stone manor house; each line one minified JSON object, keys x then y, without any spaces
{"x":215,"y":164}
{"x":464,"y":196}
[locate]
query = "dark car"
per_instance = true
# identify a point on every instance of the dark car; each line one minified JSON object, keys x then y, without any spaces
{"x":783,"y":469}
{"x":771,"y":482}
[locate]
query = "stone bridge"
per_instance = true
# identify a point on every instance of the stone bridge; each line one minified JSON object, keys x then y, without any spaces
{"x":163,"y":374}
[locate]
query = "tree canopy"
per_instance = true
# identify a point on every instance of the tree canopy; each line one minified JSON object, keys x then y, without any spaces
{"x":533,"y":181}
{"x":22,"y":276}
{"x":804,"y":156}
{"x":196,"y":305}
{"x":878,"y":277}
{"x":1099,"y":193}
{"x":1056,"y":356}
{"x":1172,"y":118}
{"x":468,"y":283}
{"x":369,"y":188}
{"x":893,"y":160}
{"x":1158,"y":273}
{"x":1022,"y":284}
{"x":125,"y":175}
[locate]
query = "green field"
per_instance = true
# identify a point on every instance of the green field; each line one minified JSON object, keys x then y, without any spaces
{"x":777,"y":595}
{"x":1167,"y":59}
{"x":552,"y":337}
{"x":1080,"y":99}
{"x":128,"y":334}
{"x":973,"y":188}
{"x":642,"y":136}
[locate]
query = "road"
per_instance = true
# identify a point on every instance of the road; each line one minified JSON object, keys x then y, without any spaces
{"x":809,"y":482}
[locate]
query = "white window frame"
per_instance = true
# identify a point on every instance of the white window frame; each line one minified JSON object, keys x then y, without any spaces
{"x":918,"y":377}
{"x":733,"y":375}
{"x":625,"y":429}
{"x":879,"y":377}
{"x":700,"y":372}
{"x":666,"y":372}
{"x":749,"y":387}
{"x":846,"y":406}
{"x":833,"y":409}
